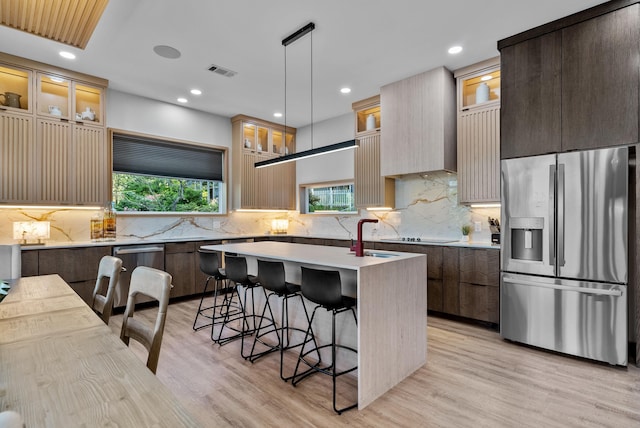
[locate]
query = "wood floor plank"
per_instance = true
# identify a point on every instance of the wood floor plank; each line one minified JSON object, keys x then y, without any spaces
{"x":472,"y":378}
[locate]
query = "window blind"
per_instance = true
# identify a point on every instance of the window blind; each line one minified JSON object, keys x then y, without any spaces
{"x":144,"y":155}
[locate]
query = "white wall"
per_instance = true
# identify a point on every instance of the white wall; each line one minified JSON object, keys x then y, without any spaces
{"x":329,"y":167}
{"x":133,"y":113}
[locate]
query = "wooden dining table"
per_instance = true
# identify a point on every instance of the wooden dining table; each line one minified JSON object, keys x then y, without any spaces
{"x":61,"y":366}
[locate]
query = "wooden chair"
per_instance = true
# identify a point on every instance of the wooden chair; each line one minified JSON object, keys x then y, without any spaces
{"x":10,"y":261}
{"x":109,"y":267}
{"x":156,"y":284}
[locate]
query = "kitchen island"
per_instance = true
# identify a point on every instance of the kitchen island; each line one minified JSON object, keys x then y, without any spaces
{"x":391,"y":335}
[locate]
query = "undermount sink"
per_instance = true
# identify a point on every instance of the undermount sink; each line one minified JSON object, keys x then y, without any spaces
{"x":381,"y":255}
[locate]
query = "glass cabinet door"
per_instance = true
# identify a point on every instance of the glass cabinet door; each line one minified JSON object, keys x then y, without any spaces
{"x":480,"y":89}
{"x":88,"y":104}
{"x":255,"y":137}
{"x":15,"y":85}
{"x":54,"y":98}
{"x":262,"y":144}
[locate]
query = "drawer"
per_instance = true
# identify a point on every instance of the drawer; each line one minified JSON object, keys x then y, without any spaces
{"x":179,"y":247}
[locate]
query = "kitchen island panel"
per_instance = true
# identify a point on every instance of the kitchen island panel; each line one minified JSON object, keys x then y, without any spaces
{"x":392,"y":340}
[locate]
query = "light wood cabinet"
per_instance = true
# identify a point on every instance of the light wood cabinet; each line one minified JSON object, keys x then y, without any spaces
{"x":371,"y":188}
{"x":418,"y":125}
{"x":479,"y":132}
{"x":17,"y":158}
{"x":53,"y":141}
{"x":273,"y":187}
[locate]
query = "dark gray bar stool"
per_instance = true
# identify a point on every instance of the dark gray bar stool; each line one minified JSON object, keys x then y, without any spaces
{"x":324,"y":288}
{"x":210,"y":265}
{"x":271,"y":276}
{"x":236,"y":270}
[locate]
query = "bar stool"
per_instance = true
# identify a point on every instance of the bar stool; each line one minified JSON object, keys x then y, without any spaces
{"x":324,"y":288}
{"x":210,"y":265}
{"x":271,"y":277}
{"x":236,"y":270}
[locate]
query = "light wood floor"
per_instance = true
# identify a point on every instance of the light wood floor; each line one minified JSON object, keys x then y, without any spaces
{"x":472,"y":378}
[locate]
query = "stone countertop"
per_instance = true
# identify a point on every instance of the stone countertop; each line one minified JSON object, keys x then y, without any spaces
{"x":338,"y":257}
{"x":160,"y":240}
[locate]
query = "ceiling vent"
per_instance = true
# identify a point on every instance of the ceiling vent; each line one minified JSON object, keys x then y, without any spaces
{"x":222,"y":71}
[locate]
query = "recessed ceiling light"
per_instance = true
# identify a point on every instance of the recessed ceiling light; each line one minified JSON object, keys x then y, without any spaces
{"x":56,"y":79}
{"x":67,"y":55}
{"x":345,"y":90}
{"x":455,"y":49}
{"x":487,"y":77}
{"x":196,"y":92}
{"x":167,"y":51}
{"x":277,"y":114}
{"x":182,"y":100}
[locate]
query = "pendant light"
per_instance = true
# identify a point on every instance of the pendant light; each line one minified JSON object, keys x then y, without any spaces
{"x":345,"y":145}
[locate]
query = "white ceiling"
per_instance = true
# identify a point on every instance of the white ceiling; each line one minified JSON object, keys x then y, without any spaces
{"x":363,"y":44}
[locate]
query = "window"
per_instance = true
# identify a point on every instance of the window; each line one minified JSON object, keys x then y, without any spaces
{"x":322,"y":199}
{"x":155,"y":175}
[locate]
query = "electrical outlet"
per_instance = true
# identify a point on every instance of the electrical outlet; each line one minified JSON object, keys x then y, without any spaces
{"x":478,"y":226}
{"x":216,"y":225}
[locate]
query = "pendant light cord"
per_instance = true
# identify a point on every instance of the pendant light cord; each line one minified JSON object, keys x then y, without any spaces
{"x":311,"y":97}
{"x":284,"y":137}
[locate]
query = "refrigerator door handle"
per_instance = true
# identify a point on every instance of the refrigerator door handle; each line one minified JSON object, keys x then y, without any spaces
{"x":614,"y":291}
{"x":560,"y":222}
{"x":552,"y":209}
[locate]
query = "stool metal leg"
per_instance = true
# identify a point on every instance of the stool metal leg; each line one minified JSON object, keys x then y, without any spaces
{"x":200,"y":310}
{"x":253,"y":317}
{"x":331,"y":368}
{"x":229,"y":317}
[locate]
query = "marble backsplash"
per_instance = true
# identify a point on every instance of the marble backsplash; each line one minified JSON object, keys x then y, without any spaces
{"x":426,"y":207}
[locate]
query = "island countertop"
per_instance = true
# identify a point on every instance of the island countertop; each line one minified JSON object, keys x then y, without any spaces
{"x":337,"y":257}
{"x":391,"y":292}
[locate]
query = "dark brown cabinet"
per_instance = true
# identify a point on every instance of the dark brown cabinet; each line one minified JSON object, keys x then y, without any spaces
{"x":450,"y":281}
{"x":180,"y":262}
{"x":600,"y":81}
{"x":77,"y":266}
{"x":572,"y":84}
{"x":530,"y":116}
{"x":480,"y":284}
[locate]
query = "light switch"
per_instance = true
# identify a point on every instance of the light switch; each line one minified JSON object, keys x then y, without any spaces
{"x":478,"y":226}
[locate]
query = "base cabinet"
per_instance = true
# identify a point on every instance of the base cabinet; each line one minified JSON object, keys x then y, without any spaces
{"x":451,"y":279}
{"x":77,"y":266}
{"x":480,"y":302}
{"x":180,"y":263}
{"x":460,"y":281}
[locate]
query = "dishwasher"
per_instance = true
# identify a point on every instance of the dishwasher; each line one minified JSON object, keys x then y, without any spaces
{"x":133,"y":256}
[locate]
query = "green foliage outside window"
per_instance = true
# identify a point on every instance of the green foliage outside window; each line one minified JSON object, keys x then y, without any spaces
{"x":331,"y":198}
{"x":133,"y":192}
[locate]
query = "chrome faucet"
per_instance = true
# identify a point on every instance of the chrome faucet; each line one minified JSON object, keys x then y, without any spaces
{"x":359,"y":246}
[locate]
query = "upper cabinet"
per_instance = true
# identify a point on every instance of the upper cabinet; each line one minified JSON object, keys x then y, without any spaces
{"x":54,"y":144}
{"x":371,"y":188}
{"x":418,"y":127}
{"x":479,"y":132}
{"x":572,"y":84}
{"x":59,"y":97}
{"x":600,"y":78}
{"x":16,"y":88}
{"x":272,"y":187}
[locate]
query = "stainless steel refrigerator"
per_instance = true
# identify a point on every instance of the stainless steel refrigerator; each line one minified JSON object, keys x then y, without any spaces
{"x":564,"y":253}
